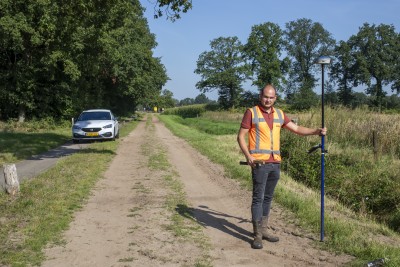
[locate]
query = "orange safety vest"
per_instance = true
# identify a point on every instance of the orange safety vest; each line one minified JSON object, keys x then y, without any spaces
{"x":264,"y":141}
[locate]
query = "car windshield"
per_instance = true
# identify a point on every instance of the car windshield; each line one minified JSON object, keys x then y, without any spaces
{"x":97,"y":115}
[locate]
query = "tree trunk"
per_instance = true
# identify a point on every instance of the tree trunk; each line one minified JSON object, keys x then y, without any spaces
{"x":21,"y":114}
{"x":379,"y":94}
{"x":11,"y":179}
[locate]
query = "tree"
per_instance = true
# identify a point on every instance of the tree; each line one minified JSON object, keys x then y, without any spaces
{"x":342,"y":72}
{"x":223,"y":68}
{"x":396,"y":78}
{"x":263,"y":49}
{"x":201,"y":99}
{"x":360,"y":99}
{"x":127,"y":71}
{"x":392,"y":102}
{"x":331,"y":97}
{"x":305,"y":41}
{"x":26,"y":29}
{"x":186,"y":102}
{"x":375,"y":49}
{"x":166,"y":99}
{"x":59,"y":58}
{"x":171,"y":8}
{"x":249,"y":99}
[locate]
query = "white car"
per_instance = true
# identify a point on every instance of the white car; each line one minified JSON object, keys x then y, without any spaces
{"x":95,"y":124}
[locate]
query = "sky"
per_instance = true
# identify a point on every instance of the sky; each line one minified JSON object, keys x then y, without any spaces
{"x":180,"y":43}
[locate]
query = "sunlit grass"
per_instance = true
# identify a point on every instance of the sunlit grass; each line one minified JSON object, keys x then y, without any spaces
{"x":16,"y":146}
{"x":355,"y":127}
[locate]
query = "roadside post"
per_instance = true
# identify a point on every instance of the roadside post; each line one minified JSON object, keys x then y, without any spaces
{"x":323,"y":60}
{"x":11,"y":179}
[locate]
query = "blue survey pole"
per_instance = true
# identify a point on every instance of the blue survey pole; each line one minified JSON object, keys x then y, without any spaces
{"x":322,"y":160}
{"x":324,"y":60}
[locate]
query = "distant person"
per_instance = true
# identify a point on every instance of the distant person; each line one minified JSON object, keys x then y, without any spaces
{"x":263,"y":124}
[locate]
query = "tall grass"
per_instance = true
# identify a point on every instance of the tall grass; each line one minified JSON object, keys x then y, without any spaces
{"x":223,"y":116}
{"x":366,"y":181}
{"x":355,"y":127}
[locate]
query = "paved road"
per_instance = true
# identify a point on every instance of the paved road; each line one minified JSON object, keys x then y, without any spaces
{"x":37,"y":164}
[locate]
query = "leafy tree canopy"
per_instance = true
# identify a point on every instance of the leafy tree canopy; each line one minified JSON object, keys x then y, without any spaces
{"x":342,"y":71}
{"x":171,"y":8}
{"x":305,"y":41}
{"x":375,"y":50}
{"x":223,"y":68}
{"x":263,"y":50}
{"x":59,"y":58}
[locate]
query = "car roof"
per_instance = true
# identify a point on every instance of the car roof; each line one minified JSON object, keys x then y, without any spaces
{"x":96,"y":110}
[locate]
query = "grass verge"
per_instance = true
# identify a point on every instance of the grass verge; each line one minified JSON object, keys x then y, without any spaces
{"x":19,"y":144}
{"x":45,"y":205}
{"x":345,"y":231}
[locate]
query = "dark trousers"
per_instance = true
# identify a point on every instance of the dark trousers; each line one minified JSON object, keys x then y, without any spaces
{"x":265,"y":178}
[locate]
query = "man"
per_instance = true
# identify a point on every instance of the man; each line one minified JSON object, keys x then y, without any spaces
{"x":263,"y":123}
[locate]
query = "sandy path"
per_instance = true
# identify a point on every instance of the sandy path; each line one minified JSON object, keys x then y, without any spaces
{"x":123,"y":222}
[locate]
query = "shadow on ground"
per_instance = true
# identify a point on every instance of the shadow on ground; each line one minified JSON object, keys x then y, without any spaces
{"x":207,"y":217}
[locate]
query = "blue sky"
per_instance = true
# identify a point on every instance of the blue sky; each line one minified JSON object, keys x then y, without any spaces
{"x":181,"y":42}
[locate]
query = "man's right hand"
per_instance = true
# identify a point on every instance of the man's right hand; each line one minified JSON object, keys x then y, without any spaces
{"x":251,"y":161}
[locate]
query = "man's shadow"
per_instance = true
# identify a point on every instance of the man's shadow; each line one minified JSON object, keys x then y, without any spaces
{"x":207,"y":217}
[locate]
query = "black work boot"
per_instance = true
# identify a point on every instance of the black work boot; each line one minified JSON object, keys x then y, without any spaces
{"x":257,"y":242}
{"x":265,"y":235}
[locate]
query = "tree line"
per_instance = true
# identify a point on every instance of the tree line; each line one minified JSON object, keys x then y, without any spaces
{"x":286,"y":58}
{"x":60,"y":57}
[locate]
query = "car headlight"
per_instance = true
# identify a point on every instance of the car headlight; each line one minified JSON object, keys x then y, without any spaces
{"x":76,"y":127}
{"x":108,"y":126}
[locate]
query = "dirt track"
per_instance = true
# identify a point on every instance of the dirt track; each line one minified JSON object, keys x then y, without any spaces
{"x":124,"y":221}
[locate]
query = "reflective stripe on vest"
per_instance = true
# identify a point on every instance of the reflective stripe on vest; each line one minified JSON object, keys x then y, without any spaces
{"x":257,"y":148}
